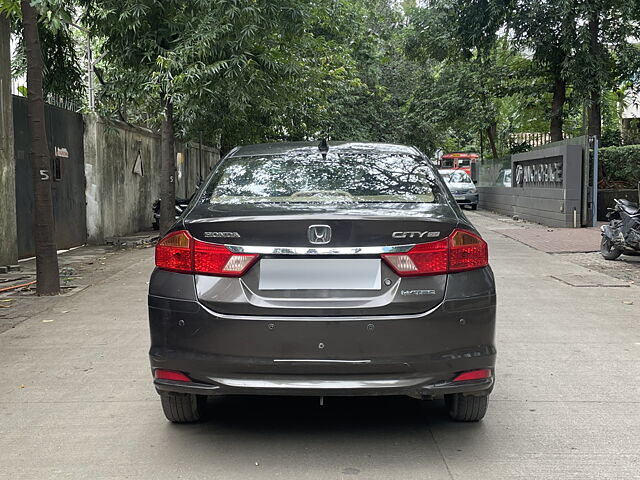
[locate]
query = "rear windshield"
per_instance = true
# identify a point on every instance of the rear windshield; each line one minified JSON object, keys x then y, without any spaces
{"x":307,"y":178}
{"x":459,"y":176}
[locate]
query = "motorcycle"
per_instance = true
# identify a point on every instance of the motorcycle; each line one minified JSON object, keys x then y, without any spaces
{"x":622,"y":234}
{"x":181,"y":206}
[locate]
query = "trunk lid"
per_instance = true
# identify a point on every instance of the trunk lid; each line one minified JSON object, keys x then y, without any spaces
{"x":327,"y":274}
{"x":360,"y":225}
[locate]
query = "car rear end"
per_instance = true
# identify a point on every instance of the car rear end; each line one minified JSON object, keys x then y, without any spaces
{"x":462,"y":187}
{"x":294,"y":274}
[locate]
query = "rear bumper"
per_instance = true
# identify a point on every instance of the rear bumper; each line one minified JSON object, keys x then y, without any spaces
{"x":423,"y":388}
{"x":416,"y":355}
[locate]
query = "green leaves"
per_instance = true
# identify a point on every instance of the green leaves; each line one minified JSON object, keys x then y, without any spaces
{"x":10,"y":8}
{"x":434,"y":75}
{"x":63,"y":75}
{"x":516,"y":53}
{"x":211,"y":56}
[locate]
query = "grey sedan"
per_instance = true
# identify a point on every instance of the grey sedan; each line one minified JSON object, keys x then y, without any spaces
{"x":341,"y":270}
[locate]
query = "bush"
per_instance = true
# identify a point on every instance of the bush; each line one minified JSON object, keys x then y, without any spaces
{"x":621,"y":165}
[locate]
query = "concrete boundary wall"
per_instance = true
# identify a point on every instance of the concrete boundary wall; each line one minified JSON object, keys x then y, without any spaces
{"x":122,"y":167}
{"x":546,"y":187}
{"x":195,"y":164}
{"x":497,"y":199}
{"x":8,"y":225}
{"x":119,"y":200}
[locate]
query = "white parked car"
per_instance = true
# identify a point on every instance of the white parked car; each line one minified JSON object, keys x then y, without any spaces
{"x":461,"y":186}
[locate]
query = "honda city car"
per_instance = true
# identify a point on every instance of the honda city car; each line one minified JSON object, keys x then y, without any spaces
{"x":343,"y":270}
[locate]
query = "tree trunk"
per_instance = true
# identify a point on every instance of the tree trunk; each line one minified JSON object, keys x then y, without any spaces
{"x":557,"y":107}
{"x":217,"y":146}
{"x":491,"y":134}
{"x":594,"y":115}
{"x":625,"y":129}
{"x":594,"y":111}
{"x":167,"y":169}
{"x":46,"y":253}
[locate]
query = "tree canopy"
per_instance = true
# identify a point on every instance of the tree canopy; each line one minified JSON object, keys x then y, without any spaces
{"x":442,"y":74}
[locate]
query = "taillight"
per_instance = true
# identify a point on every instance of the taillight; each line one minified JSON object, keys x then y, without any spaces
{"x":180,"y":252}
{"x":173,"y":252}
{"x":462,"y":250}
{"x":213,"y":259}
{"x":424,"y":259}
{"x":467,"y":251}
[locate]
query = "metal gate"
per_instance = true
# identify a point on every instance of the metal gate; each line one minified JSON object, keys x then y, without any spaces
{"x":64,"y":132}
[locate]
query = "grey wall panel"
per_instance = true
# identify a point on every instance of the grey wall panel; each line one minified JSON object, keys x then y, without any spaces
{"x":541,"y":199}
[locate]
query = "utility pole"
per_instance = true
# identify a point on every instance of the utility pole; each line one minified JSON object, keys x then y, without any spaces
{"x":8,"y":229}
{"x":594,"y":188}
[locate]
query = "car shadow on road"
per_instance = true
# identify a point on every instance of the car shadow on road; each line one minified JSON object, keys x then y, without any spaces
{"x":337,"y":414}
{"x":299,"y":417}
{"x":295,"y":437}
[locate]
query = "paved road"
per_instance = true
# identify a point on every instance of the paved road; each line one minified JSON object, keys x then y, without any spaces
{"x":76,"y":399}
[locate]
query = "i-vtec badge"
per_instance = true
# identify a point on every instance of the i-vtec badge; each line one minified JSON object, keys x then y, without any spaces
{"x":415,"y":234}
{"x":417,"y":292}
{"x":221,"y":234}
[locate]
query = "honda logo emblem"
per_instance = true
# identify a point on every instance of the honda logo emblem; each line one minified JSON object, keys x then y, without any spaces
{"x":319,"y":234}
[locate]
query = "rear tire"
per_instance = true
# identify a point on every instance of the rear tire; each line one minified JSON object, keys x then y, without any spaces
{"x":183,"y":407}
{"x":607,"y":250}
{"x":466,"y":408}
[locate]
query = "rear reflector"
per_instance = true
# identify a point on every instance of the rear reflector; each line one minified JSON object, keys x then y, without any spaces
{"x":473,"y":375}
{"x":461,"y":251}
{"x":180,"y":252}
{"x":171,"y":375}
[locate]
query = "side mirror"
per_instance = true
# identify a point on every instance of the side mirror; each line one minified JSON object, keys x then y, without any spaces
{"x":475,"y":181}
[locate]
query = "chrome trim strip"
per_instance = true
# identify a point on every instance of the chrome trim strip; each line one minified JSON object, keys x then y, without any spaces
{"x":281,"y":318}
{"x":320,"y":384}
{"x":319,"y":250}
{"x":351,"y":362}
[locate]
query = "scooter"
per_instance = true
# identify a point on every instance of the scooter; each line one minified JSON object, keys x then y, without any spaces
{"x":622,"y":234}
